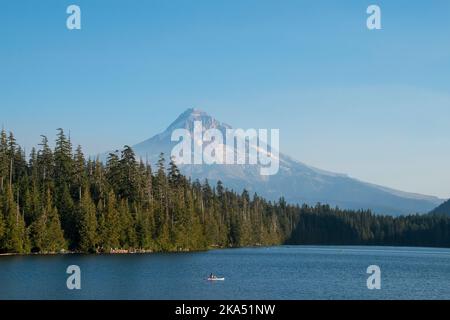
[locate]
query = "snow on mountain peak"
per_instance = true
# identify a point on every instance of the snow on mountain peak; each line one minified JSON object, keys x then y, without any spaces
{"x":187,"y":118}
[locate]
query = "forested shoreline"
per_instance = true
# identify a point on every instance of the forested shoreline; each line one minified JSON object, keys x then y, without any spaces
{"x":55,"y":200}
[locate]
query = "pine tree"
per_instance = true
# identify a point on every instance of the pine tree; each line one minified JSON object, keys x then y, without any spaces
{"x":66,"y":209}
{"x":32,"y":191}
{"x":38,"y":234}
{"x":4,"y":160}
{"x":87,"y":223}
{"x":46,"y":233}
{"x":111,"y":229}
{"x":45,"y":165}
{"x":80,"y":177}
{"x":128,"y":231}
{"x":162,"y":210}
{"x":128,"y":175}
{"x":15,"y":236}
{"x":63,"y":160}
{"x":144,"y":230}
{"x":54,"y":239}
{"x":113,"y":172}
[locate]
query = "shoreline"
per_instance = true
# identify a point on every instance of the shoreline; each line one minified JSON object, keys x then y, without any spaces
{"x":143,"y":252}
{"x":120,"y":252}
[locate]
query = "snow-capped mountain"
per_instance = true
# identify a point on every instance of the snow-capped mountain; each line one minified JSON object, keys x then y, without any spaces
{"x":295,"y":181}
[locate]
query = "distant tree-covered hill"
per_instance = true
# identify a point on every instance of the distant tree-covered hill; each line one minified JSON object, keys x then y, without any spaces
{"x":442,"y":209}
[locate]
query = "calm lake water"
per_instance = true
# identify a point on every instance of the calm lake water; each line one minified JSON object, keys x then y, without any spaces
{"x":285,"y":272}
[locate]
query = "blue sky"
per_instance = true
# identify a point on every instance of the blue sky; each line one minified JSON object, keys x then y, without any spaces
{"x":372,"y":104}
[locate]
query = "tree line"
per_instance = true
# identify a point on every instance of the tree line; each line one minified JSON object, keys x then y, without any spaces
{"x":331,"y":226}
{"x":56,"y":199}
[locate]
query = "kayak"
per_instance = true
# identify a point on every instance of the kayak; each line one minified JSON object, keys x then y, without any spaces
{"x":216,"y":279}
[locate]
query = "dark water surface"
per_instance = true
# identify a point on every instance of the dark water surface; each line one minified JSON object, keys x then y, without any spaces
{"x":285,"y":272}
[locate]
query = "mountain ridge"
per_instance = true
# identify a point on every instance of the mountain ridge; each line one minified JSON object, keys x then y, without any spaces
{"x":296,"y":182}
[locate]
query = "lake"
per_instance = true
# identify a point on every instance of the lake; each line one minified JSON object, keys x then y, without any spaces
{"x":284,"y":272}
